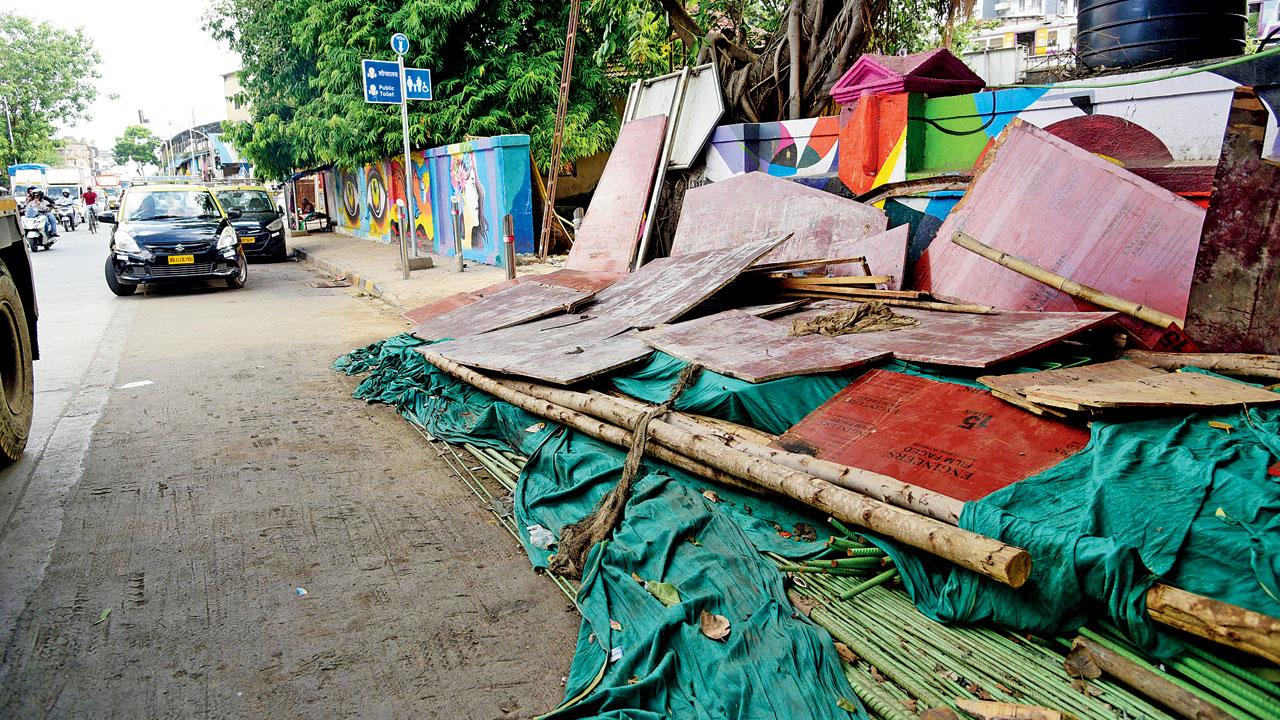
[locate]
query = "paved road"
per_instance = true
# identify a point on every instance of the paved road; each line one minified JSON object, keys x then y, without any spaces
{"x":193,"y":461}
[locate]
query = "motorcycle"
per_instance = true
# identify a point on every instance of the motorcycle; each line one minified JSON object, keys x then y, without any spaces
{"x":67,"y":216}
{"x":33,"y":229}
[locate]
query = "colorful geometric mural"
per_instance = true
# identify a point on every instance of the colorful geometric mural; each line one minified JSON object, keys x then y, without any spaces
{"x":484,"y":180}
{"x":791,"y":149}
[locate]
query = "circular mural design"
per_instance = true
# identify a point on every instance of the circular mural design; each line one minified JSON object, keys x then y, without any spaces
{"x":350,"y":198}
{"x":376,"y":194}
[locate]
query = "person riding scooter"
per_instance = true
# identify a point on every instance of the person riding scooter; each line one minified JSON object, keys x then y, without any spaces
{"x":66,"y":206}
{"x":45,"y":208}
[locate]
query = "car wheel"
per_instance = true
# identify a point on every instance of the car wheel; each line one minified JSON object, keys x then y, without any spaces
{"x":121,"y":289}
{"x":282,"y":254}
{"x":237,"y":281}
{"x":17,"y":384}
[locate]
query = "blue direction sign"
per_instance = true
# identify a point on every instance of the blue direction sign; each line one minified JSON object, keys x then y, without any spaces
{"x":400,"y":43}
{"x":417,"y":84}
{"x":381,"y":80}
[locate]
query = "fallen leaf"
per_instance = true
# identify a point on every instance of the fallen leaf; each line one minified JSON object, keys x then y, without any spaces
{"x":711,"y":495}
{"x":615,"y":625}
{"x":803,"y":603}
{"x":714,"y":626}
{"x":665,"y":592}
{"x":1221,"y":425}
{"x":986,"y":695}
{"x":694,"y":541}
{"x":939,"y":713}
{"x":633,"y":679}
{"x":845,"y":653}
{"x":1087,"y":688}
{"x":846,"y":705}
{"x":637,"y":578}
{"x":1080,"y":663}
{"x":875,"y":675}
{"x":804,"y":532}
{"x":102,"y":616}
{"x":536,"y":427}
{"x":910,"y":705}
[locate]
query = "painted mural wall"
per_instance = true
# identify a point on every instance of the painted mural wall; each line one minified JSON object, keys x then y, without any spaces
{"x":791,"y":149}
{"x":485,"y":179}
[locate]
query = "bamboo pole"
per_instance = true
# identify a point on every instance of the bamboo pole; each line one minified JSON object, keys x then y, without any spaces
{"x":760,"y":267}
{"x":1151,"y":684}
{"x":1223,"y":623}
{"x":991,"y":558}
{"x":827,"y":294}
{"x":1066,"y":285}
{"x":865,"y":482}
{"x":1267,"y":366}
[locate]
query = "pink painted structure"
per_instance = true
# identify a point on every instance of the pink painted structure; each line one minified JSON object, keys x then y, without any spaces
{"x":936,"y":72}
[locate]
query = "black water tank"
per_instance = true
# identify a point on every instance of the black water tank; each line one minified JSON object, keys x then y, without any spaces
{"x":1134,"y":33}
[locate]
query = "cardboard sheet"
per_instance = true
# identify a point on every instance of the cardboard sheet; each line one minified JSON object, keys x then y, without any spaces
{"x":752,"y":206}
{"x":740,"y":345}
{"x":953,"y":439}
{"x":1049,"y":202}
{"x":610,"y":234}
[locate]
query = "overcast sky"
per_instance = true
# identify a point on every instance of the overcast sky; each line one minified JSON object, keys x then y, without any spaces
{"x":155,"y":57}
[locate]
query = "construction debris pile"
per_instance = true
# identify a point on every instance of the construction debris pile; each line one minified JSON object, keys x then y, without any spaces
{"x":817,"y":478}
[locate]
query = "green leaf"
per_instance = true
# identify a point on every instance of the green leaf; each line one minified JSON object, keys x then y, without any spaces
{"x":102,"y":616}
{"x":846,"y":705}
{"x":665,"y":592}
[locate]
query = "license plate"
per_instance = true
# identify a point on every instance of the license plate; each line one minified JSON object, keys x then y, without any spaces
{"x":248,"y":239}
{"x":182,"y":259}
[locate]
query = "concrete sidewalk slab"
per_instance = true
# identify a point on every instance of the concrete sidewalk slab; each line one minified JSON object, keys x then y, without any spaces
{"x":374,"y":269}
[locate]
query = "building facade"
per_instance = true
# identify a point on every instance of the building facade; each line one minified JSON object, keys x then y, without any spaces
{"x":77,"y":152}
{"x":237,"y":110}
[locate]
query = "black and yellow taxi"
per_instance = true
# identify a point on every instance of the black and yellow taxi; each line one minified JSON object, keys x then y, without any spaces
{"x":260,"y":225}
{"x":172,"y":232}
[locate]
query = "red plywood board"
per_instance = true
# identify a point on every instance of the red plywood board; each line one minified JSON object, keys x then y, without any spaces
{"x":952,"y":439}
{"x":511,"y":306}
{"x":748,"y":207}
{"x":1235,"y":293}
{"x":610,"y":233}
{"x":886,"y":254}
{"x":740,"y":345}
{"x":965,"y":339}
{"x":591,"y":282}
{"x":1044,"y":200}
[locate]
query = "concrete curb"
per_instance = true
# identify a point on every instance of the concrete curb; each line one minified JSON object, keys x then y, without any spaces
{"x":365,"y":285}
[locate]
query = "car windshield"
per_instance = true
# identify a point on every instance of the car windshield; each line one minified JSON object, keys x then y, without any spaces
{"x":247,"y":201}
{"x":170,"y":205}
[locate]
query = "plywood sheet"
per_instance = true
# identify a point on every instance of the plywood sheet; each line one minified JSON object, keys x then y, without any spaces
{"x":511,"y":306}
{"x":740,"y":345}
{"x":955,"y":440}
{"x":1166,"y":390}
{"x":1047,"y":201}
{"x":967,"y":340}
{"x":885,"y":253}
{"x":561,"y":350}
{"x":665,"y":289}
{"x":1017,"y":383}
{"x":748,"y":207}
{"x":591,"y":282}
{"x":610,"y":233}
{"x":1235,"y":292}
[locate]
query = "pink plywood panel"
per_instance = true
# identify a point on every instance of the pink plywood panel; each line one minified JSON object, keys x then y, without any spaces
{"x":1044,"y":200}
{"x":967,"y":340}
{"x":511,"y":306}
{"x":740,"y":345}
{"x":610,"y":233}
{"x":746,"y":208}
{"x":886,"y":254}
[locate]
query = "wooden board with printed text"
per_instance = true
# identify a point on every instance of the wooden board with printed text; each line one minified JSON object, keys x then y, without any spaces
{"x":952,"y":439}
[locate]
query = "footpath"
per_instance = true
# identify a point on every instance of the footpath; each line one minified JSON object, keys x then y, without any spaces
{"x":373,"y":268}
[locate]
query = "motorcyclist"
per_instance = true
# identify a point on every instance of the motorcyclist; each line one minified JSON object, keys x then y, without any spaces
{"x":44,"y":207}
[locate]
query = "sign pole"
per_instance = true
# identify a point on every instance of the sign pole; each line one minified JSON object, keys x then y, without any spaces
{"x":405,"y":227}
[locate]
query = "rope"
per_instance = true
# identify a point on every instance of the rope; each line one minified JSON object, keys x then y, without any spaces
{"x":578,"y":538}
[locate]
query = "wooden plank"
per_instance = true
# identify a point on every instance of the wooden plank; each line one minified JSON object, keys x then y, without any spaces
{"x":511,"y":306}
{"x":665,"y":289}
{"x":740,"y":345}
{"x":1053,"y":204}
{"x":844,"y":291}
{"x":968,"y":340}
{"x":575,"y":279}
{"x":885,"y":254}
{"x":1235,"y":291}
{"x":610,"y":233}
{"x":585,"y":281}
{"x":561,"y":350}
{"x":1017,"y":383}
{"x":755,"y":205}
{"x":773,"y":309}
{"x":952,"y":439}
{"x":845,"y":281}
{"x":1166,"y":390}
{"x":760,"y":267}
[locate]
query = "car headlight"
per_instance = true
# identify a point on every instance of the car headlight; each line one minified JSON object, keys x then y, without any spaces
{"x":126,"y":243}
{"x":227,"y":238}
{"x":276,"y":225}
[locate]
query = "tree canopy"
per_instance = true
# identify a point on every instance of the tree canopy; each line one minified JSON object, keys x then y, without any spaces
{"x":49,"y":76}
{"x":495,"y":66}
{"x":136,"y":144}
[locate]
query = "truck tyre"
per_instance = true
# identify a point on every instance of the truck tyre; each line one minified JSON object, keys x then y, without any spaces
{"x":117,"y":287}
{"x":17,"y":384}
